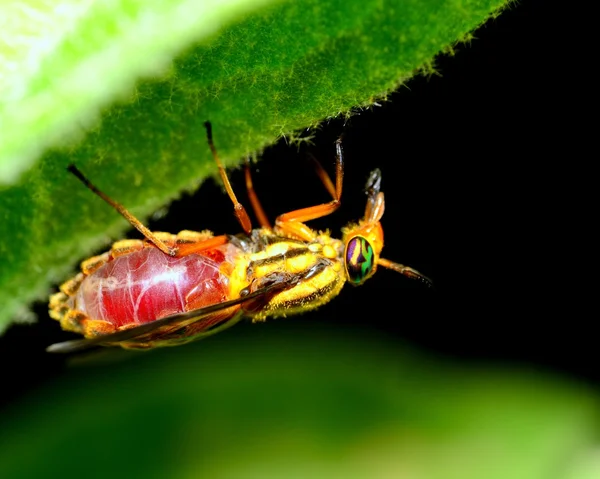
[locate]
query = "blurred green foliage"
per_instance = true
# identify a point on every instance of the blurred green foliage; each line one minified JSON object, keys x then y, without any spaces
{"x":62,"y":61}
{"x":268,"y":402}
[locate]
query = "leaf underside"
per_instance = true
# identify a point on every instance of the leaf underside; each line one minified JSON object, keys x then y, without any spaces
{"x":257,"y":72}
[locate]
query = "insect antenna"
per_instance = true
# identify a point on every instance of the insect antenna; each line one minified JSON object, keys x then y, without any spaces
{"x":405,"y":270}
{"x":137,"y":224}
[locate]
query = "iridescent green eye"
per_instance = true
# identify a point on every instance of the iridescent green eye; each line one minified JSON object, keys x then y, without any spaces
{"x":359,"y":259}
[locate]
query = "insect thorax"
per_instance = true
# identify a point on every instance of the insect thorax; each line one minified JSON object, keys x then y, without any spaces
{"x":319,"y":263}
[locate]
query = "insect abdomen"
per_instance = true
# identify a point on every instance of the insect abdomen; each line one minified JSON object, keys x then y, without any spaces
{"x":146,"y":285}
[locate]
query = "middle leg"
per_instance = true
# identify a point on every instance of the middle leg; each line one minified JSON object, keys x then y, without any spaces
{"x":292,"y":223}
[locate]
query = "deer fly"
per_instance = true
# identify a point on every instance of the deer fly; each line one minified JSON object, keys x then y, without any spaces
{"x":170,"y":289}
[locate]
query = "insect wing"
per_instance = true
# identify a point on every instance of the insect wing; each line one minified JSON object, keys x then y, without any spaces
{"x":181,"y":319}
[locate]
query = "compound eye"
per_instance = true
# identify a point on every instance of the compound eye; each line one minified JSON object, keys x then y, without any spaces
{"x":360,"y":259}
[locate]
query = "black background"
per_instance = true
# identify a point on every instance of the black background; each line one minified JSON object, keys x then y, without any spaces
{"x":482,"y":196}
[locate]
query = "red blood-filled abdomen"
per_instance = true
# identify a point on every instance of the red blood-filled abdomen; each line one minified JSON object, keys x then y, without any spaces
{"x":147,"y":285}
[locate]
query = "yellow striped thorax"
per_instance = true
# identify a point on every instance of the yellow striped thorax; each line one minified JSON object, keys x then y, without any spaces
{"x":321,"y":261}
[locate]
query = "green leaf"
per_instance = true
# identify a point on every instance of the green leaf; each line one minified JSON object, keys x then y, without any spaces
{"x":69,"y":92}
{"x":62,"y":61}
{"x":316,"y":403}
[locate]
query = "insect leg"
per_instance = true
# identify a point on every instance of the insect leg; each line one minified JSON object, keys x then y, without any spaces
{"x":256,"y":206}
{"x":375,"y":202}
{"x":238,"y":208}
{"x":137,"y":224}
{"x":323,"y":176}
{"x":292,"y":223}
{"x":190,"y":248}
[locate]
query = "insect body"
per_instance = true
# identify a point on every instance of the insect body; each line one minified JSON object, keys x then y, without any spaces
{"x":171,"y":289}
